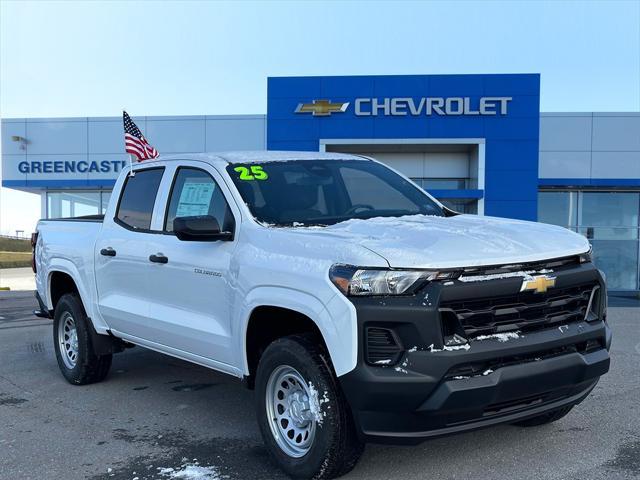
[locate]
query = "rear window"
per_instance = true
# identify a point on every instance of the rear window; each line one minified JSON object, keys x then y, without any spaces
{"x":138,"y":197}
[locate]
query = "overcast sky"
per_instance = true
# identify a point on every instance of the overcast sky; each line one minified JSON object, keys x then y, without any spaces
{"x":61,"y":59}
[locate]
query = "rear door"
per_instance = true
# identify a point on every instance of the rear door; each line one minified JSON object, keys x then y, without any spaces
{"x":122,"y":263}
{"x":193,"y":292}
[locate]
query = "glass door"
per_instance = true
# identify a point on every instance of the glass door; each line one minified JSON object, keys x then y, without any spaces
{"x":610,"y":221}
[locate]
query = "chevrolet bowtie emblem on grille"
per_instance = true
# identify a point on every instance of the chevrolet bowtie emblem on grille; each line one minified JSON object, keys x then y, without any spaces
{"x":538,"y":284}
{"x":321,"y":108}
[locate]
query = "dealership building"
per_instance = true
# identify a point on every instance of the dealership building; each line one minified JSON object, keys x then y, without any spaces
{"x":479,"y":143}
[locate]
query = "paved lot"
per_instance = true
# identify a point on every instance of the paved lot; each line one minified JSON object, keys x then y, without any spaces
{"x":17,"y":278}
{"x":156,"y":412}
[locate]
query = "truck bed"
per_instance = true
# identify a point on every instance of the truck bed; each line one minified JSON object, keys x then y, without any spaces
{"x":67,"y":245}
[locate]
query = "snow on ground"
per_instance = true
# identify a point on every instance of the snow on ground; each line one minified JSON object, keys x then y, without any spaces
{"x":190,"y":471}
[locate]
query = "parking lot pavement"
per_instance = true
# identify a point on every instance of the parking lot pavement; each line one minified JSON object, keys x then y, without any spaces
{"x":154,"y":412}
{"x":17,"y":278}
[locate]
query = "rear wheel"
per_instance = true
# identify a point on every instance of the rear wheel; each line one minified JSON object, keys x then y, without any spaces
{"x":76,"y":357}
{"x":303,"y":416}
{"x":545,"y":418}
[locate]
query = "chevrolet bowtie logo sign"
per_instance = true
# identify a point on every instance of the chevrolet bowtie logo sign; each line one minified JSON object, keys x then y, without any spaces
{"x":322,"y":108}
{"x":538,"y":284}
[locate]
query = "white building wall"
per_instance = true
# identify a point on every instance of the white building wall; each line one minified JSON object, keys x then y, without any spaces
{"x":589,"y":146}
{"x":101,"y":139}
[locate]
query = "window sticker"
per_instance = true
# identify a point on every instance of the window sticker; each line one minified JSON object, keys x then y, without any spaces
{"x":255,"y":172}
{"x":195,"y":199}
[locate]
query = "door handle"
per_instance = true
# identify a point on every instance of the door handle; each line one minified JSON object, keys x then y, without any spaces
{"x":108,"y":252}
{"x":159,"y":258}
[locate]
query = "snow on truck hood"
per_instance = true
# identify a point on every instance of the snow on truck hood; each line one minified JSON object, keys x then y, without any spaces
{"x":421,"y":241}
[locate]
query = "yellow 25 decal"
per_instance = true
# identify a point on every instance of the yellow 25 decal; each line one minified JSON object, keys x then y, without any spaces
{"x":255,"y":172}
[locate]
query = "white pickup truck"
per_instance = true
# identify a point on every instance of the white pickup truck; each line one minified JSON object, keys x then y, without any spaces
{"x":357,"y":306}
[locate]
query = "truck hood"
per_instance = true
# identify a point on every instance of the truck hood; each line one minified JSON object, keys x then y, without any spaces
{"x":421,"y":241}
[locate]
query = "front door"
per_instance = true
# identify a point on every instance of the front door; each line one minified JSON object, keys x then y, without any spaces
{"x":192,"y":290}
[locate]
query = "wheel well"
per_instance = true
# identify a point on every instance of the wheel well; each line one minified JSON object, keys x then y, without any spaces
{"x":60,"y":284}
{"x":268,"y":324}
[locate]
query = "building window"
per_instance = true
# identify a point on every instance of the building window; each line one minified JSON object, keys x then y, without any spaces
{"x":611,"y":222}
{"x":106,"y":195}
{"x":442,"y":183}
{"x":462,"y":205}
{"x":72,"y":203}
{"x":558,"y":208}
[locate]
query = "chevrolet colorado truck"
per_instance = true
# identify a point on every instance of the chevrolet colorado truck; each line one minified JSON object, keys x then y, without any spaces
{"x":358,"y":307}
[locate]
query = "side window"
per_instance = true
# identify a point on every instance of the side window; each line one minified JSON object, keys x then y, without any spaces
{"x":196,"y":193}
{"x":138,"y":197}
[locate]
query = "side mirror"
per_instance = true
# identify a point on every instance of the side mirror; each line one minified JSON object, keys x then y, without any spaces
{"x":202,"y":228}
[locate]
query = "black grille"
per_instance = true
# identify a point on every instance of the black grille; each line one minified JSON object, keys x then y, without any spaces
{"x":555,"y":264}
{"x":382,"y":347}
{"x":524,"y":311}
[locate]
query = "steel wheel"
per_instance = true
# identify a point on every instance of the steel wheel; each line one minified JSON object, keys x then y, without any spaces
{"x":68,"y":340}
{"x":290,"y":410}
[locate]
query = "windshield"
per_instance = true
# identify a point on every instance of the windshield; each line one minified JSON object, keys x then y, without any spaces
{"x":324,"y":192}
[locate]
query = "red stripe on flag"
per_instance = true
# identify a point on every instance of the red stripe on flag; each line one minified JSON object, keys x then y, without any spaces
{"x":136,"y":147}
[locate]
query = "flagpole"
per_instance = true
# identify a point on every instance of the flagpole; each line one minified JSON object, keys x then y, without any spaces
{"x":131,"y":173}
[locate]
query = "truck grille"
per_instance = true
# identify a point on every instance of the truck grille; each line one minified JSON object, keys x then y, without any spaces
{"x":523,"y":311}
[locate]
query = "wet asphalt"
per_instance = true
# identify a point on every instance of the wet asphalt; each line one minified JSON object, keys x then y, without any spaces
{"x":155,"y":412}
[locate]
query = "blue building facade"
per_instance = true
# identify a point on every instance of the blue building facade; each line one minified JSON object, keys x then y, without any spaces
{"x":499,"y":114}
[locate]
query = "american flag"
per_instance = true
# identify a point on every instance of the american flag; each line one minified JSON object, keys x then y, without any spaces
{"x":134,"y":141}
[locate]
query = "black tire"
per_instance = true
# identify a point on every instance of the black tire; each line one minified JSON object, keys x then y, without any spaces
{"x":545,"y":418}
{"x":336,"y":447}
{"x":88,"y":367}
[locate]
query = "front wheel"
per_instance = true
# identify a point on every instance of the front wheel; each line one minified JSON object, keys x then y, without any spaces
{"x":303,"y":416}
{"x":76,"y":357}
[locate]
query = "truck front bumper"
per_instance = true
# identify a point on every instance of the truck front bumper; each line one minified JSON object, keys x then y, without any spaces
{"x":432,"y":390}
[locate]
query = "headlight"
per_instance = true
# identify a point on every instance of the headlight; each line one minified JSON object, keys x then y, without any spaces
{"x":366,"y":281}
{"x":587,"y":256}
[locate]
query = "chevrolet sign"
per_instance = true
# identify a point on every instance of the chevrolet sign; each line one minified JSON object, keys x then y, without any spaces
{"x":321,"y":108}
{"x":403,"y":106}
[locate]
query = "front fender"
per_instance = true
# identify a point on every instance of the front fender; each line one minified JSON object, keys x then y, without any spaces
{"x":336,"y":321}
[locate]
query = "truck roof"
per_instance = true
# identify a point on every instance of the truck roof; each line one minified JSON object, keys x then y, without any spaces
{"x":257,"y":156}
